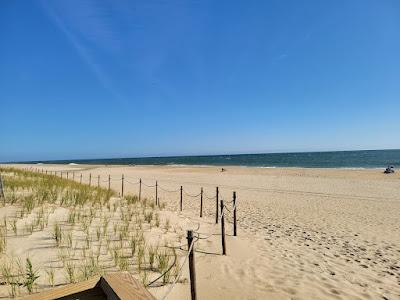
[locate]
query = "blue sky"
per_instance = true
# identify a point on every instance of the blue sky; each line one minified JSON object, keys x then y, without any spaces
{"x":83,"y":78}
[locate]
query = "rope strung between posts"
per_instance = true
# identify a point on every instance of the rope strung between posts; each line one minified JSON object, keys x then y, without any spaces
{"x":229,"y":209}
{"x":203,"y":238}
{"x":168,"y":191}
{"x":209,"y":198}
{"x":180,"y":272}
{"x":190,"y":195}
{"x":119,"y":179}
{"x":150,"y":186}
{"x":163,"y":274}
{"x":133,"y":183}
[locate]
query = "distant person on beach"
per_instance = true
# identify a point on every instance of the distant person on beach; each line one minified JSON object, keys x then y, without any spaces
{"x":223,"y":170}
{"x":389,"y":170}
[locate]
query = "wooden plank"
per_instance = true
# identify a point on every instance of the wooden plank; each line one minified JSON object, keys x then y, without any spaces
{"x":65,"y":290}
{"x":113,"y":286}
{"x":123,"y":286}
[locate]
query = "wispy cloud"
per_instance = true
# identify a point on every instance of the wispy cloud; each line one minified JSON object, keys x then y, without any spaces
{"x":81,"y":23}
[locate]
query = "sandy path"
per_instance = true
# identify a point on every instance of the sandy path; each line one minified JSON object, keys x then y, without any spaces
{"x":303,"y":233}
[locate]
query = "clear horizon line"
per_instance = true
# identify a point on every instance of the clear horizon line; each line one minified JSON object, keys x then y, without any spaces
{"x":198,"y":155}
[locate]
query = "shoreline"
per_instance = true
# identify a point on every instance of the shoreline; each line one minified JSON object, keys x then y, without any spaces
{"x":196,"y":166}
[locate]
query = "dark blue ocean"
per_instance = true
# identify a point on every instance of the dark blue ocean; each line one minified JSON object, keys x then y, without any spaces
{"x":336,"y":159}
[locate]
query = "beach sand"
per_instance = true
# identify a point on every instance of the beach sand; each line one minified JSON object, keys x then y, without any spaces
{"x":302,"y":233}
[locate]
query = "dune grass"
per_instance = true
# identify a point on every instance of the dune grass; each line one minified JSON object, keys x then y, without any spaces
{"x":98,"y":228}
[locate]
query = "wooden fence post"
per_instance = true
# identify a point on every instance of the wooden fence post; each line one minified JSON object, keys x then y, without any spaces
{"x":181,"y":197}
{"x":223,"y":228}
{"x":67,"y":174}
{"x":61,"y":174}
{"x":157,"y":193}
{"x":80,"y":181}
{"x":73,"y":176}
{"x":216,"y":204}
{"x":109,"y":181}
{"x":201,"y":203}
{"x":2,"y":193}
{"x":192,"y":271}
{"x":140,"y":188}
{"x":90,"y":179}
{"x":234,"y":214}
{"x":98,"y":181}
{"x":122,"y":186}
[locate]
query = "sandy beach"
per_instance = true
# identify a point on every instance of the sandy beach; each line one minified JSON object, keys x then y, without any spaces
{"x":302,"y":233}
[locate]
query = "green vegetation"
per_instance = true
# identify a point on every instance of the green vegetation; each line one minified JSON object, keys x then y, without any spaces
{"x":90,"y":227}
{"x":30,"y":276}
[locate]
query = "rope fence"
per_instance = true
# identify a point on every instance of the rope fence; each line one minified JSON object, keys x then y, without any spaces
{"x":221,"y":212}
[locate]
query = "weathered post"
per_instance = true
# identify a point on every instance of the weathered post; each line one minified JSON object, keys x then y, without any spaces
{"x":98,"y":181}
{"x":67,"y":174}
{"x":140,"y":188}
{"x":109,"y":181}
{"x":122,"y":186}
{"x":73,"y":176}
{"x":2,"y":192}
{"x":61,"y":174}
{"x":181,"y":197}
{"x":80,"y":181}
{"x":223,"y":228}
{"x":201,"y":203}
{"x":216,"y":205}
{"x":192,"y":271}
{"x":234,"y":214}
{"x":46,"y":172}
{"x":157,"y":193}
{"x":90,"y":179}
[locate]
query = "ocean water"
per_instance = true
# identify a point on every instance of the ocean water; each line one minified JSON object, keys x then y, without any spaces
{"x":336,"y":159}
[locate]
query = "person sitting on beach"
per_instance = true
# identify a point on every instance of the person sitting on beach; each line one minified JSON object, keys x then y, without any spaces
{"x":389,"y":170}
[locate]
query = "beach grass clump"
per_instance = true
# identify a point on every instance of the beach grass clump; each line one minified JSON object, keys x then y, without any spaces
{"x":30,"y":276}
{"x":11,"y":271}
{"x":50,"y":276}
{"x":3,"y":239}
{"x":70,"y":272}
{"x":57,"y":235}
{"x":152,"y":253}
{"x":163,"y":259}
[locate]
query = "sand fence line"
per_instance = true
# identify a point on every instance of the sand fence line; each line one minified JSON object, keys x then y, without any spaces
{"x":193,"y":236}
{"x":140,"y":183}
